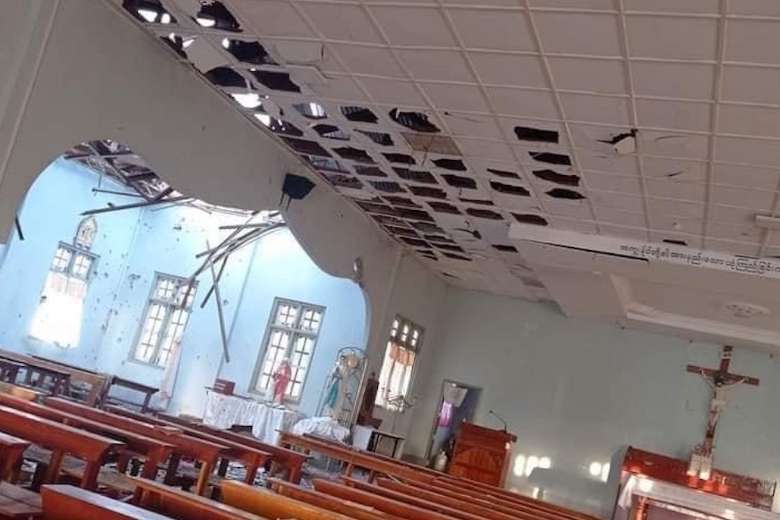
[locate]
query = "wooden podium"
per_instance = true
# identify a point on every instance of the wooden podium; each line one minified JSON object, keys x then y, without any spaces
{"x":481,"y":454}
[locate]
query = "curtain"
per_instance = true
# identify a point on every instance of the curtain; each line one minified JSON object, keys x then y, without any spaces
{"x":401,"y":355}
{"x":58,"y":316}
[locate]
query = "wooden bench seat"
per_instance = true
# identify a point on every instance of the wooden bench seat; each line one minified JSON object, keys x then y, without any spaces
{"x":388,"y":505}
{"x":271,"y":505}
{"x":153,"y":451}
{"x":18,"y":503}
{"x":61,"y":439}
{"x":329,"y":502}
{"x":11,"y":451}
{"x":207,"y":453}
{"x":181,"y":505}
{"x":291,"y":460}
{"x":22,"y":392}
{"x":72,"y":503}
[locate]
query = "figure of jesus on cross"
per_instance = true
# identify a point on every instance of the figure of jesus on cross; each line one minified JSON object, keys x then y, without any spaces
{"x":721,"y":381}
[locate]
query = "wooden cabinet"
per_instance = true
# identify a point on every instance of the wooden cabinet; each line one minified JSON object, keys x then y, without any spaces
{"x":481,"y":454}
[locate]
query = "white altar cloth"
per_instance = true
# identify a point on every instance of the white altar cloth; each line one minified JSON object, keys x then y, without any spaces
{"x":224,"y":411}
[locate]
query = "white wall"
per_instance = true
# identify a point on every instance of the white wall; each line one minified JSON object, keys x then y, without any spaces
{"x":576,"y":391}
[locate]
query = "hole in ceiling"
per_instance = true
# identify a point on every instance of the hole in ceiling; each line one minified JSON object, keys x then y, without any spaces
{"x":427,"y":227}
{"x":387,"y":186}
{"x":623,"y":143}
{"x":306,"y":147}
{"x":551,"y":158}
{"x":510,"y":189}
{"x":385,"y":218}
{"x":347,"y":181}
{"x":539,"y":135}
{"x":450,"y":164}
{"x":557,"y":178}
{"x":227,"y":77}
{"x":175,"y":42}
{"x":439,"y":238}
{"x":401,"y":201}
{"x":216,"y":15}
{"x":416,"y":121}
{"x":276,"y":80}
{"x":482,"y":202}
{"x":354,"y":154}
{"x":378,"y":137}
{"x":150,"y":11}
{"x":676,"y":242}
{"x":484,"y":213}
{"x":414,"y":214}
{"x":359,"y":114}
{"x":325,"y":163}
{"x":402,"y":231}
{"x":416,"y":242}
{"x":415,"y":175}
{"x":448,"y":247}
{"x":458,"y":181}
{"x":563,"y":193}
{"x":503,"y":173}
{"x":444,"y":207}
{"x":248,"y":52}
{"x":505,"y":248}
{"x":457,"y":257}
{"x":530,"y":218}
{"x":448,"y":275}
{"x":429,"y":256}
{"x":400,"y":158}
{"x":331,"y":132}
{"x":311,"y":110}
{"x":431,"y":143}
{"x":285,"y":128}
{"x":369,"y":171}
{"x":425,"y":191}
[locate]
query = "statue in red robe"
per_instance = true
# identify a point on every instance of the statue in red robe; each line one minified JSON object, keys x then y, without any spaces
{"x":281,"y":378}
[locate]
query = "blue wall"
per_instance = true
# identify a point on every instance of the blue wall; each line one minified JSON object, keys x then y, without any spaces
{"x":135,"y":244}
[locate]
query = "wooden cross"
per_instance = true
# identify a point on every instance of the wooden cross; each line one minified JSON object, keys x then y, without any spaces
{"x":721,"y":381}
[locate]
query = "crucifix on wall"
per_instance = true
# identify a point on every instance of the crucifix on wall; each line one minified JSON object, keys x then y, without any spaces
{"x":720,"y":380}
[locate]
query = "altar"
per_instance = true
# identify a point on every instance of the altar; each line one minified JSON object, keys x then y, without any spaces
{"x":225,"y":411}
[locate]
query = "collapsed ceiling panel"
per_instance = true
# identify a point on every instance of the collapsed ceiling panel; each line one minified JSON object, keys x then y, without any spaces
{"x":546,"y":118}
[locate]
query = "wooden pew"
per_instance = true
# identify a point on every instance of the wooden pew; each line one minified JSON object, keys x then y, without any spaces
{"x":207,"y":453}
{"x":270,"y":505}
{"x":23,"y":393}
{"x":72,"y":503}
{"x":18,"y":503}
{"x":430,"y":501}
{"x":95,"y":383}
{"x":148,"y":392}
{"x":291,"y":460}
{"x":388,"y":505}
{"x":181,"y":505}
{"x":251,"y":458}
{"x":329,"y":502}
{"x":155,"y":452}
{"x":11,"y":451}
{"x":61,"y":439}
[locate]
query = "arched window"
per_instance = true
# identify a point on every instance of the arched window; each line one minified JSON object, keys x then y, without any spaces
{"x":85,"y":234}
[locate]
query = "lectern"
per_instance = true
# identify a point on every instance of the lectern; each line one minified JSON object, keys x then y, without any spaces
{"x":481,"y":454}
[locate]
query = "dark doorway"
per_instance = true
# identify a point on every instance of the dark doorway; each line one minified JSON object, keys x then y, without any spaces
{"x":457,"y":403}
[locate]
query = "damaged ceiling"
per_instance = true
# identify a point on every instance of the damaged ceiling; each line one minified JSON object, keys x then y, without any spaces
{"x":446,"y":120}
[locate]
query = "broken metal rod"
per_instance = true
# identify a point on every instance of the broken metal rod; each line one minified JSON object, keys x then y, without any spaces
{"x":132,"y":206}
{"x":219,"y":312}
{"x":219,"y":277}
{"x":114,"y":192}
{"x":244,"y":226}
{"x":18,"y":228}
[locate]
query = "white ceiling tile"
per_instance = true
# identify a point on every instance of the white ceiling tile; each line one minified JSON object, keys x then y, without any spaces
{"x":509,"y":69}
{"x":619,"y":217}
{"x":438,"y":65}
{"x":747,"y":232}
{"x":612,"y":199}
{"x":747,"y":176}
{"x":678,"y":169}
{"x":749,"y":120}
{"x":620,"y":164}
{"x":673,"y":144}
{"x":720,"y":213}
{"x":672,"y":37}
{"x":735,"y":196}
{"x":737,"y":248}
{"x":600,"y":76}
{"x":486,"y":149}
{"x":376,"y":61}
{"x":755,"y":7}
{"x":632,"y":233}
{"x":675,"y":115}
{"x":666,"y":222}
{"x":675,"y":80}
{"x":578,"y":209}
{"x":342,"y":88}
{"x":575,"y":224}
{"x":469,"y":125}
{"x":700,"y":7}
{"x":342,"y":22}
{"x":751,"y":84}
{"x":413,"y":26}
{"x":609,"y":182}
{"x":387,"y":91}
{"x":677,"y":208}
{"x":493,"y":29}
{"x":597,"y":109}
{"x":753,"y":41}
{"x":574,"y":4}
{"x":596,"y":138}
{"x":672,"y":237}
{"x":456,"y":97}
{"x":524,"y":103}
{"x":273,"y":18}
{"x":563,"y":33}
{"x":750,"y":151}
{"x":672,"y":189}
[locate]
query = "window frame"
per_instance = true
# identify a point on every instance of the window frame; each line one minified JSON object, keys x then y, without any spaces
{"x":416,"y":349}
{"x":270,"y":327}
{"x":74,"y":252}
{"x":181,"y":281}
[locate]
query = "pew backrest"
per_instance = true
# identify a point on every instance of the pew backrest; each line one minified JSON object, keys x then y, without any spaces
{"x":71,"y":503}
{"x":181,"y":505}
